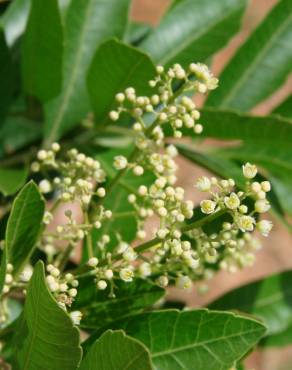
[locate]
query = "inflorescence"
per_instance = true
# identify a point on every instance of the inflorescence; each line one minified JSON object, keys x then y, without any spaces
{"x":181,"y":249}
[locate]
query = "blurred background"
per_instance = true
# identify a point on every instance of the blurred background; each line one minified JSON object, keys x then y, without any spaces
{"x":276,"y":254}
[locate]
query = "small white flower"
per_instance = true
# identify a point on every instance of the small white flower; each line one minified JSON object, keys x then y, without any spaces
{"x":101,"y":192}
{"x":203,"y":184}
{"x":56,"y":147}
{"x":76,"y":317}
{"x":129,"y":255}
{"x":262,"y":205}
{"x":198,"y":129}
{"x":232,"y":202}
{"x":127,"y":274}
{"x":45,"y":186}
{"x":102,"y":284}
{"x":72,"y":292}
{"x":246,"y":223}
{"x":183,"y":282}
{"x":162,"y":281}
{"x":26,"y":273}
{"x":114,"y":116}
{"x":208,"y":206}
{"x":266,"y":186}
{"x":48,"y":217}
{"x":42,"y":155}
{"x":108,"y":274}
{"x":264,"y":227}
{"x":145,"y":269}
{"x":249,"y":170}
{"x":120,"y":97}
{"x":138,"y":170}
{"x":120,"y":162}
{"x":92,"y":262}
{"x":171,"y":151}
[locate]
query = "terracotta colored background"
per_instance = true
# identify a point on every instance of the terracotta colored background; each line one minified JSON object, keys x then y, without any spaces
{"x":277,"y":252}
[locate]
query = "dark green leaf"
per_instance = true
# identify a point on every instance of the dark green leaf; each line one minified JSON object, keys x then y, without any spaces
{"x":99,"y":308}
{"x":269,"y":299}
{"x":24,"y":225}
{"x":12,"y":179}
{"x":14,"y":19}
{"x":42,"y":51}
{"x":115,"y":67}
{"x":6,"y":86}
{"x":3,"y":266}
{"x":114,"y":350}
{"x":88,"y":23}
{"x":193,"y":30}
{"x":285,"y":108}
{"x":198,"y":339}
{"x":18,"y":132}
{"x":260,"y":65}
{"x":259,"y":131}
{"x":45,"y":338}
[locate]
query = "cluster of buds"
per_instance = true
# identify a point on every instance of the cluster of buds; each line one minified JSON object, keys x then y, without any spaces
{"x":235,"y":236}
{"x":62,"y":287}
{"x":103,"y":275}
{"x":168,"y":107}
{"x":79,"y":175}
{"x":9,"y":280}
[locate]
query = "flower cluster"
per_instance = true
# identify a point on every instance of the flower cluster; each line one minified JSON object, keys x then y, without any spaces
{"x":242,"y":208}
{"x":79,"y":175}
{"x":182,"y":248}
{"x":62,"y":286}
{"x":169,"y":107}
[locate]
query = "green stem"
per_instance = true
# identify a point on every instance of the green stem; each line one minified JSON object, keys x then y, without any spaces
{"x":132,"y":157}
{"x":64,"y":257}
{"x":188,"y":227}
{"x":89,"y":244}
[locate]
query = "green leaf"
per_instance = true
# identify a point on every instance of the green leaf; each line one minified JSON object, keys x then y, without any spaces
{"x":18,"y":132}
{"x":285,"y":108}
{"x":46,"y":337}
{"x":24,"y":225}
{"x":99,"y":308}
{"x":12,"y":179}
{"x":3,"y":267}
{"x":197,"y":339}
{"x":115,"y":350}
{"x":42,"y":50}
{"x":88,"y":24}
{"x":269,"y":299}
{"x":115,"y":67}
{"x":260,"y":131}
{"x":6,"y":74}
{"x":137,"y":32}
{"x":260,"y":65}
{"x":14,"y":19}
{"x":193,"y":30}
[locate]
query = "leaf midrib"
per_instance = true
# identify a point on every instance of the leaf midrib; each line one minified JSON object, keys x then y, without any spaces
{"x":74,"y":74}
{"x":11,"y":243}
{"x":240,"y":81}
{"x":190,"y":39}
{"x":202,"y":344}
